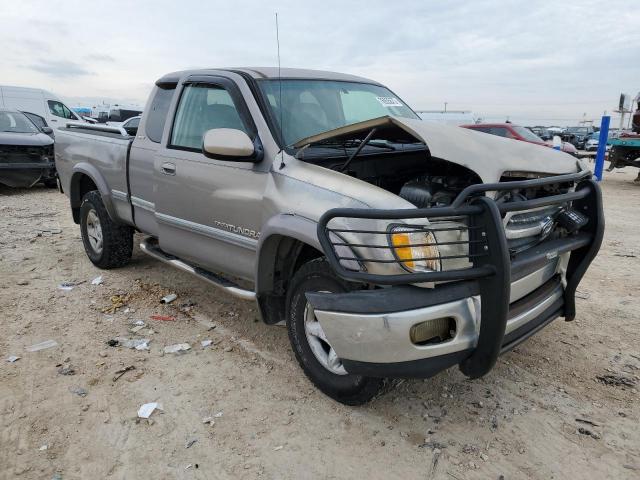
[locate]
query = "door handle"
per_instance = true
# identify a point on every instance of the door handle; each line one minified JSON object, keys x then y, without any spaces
{"x":168,"y":168}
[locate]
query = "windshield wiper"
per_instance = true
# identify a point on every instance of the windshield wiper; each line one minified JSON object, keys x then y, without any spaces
{"x":359,"y":149}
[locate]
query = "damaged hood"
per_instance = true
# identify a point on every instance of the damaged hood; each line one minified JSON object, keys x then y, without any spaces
{"x":489,"y":156}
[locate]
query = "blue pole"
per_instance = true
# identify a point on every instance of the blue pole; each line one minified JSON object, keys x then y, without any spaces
{"x":602,"y":146}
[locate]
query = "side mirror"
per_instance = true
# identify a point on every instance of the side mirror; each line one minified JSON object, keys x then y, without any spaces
{"x":47,"y":130}
{"x":229,"y":144}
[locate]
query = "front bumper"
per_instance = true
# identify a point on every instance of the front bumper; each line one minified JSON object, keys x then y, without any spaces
{"x":26,"y":174}
{"x":495,"y":305}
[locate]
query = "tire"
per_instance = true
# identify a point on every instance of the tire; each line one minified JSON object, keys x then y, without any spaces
{"x":111,"y":247}
{"x":317,"y":276}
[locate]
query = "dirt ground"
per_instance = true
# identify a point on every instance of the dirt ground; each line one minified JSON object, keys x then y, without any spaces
{"x":541,"y":413}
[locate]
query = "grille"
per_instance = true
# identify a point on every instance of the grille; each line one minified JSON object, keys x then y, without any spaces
{"x":23,"y":154}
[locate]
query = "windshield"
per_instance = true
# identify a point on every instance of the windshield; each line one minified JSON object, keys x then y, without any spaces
{"x":527,"y":134}
{"x":315,"y":106}
{"x":578,"y":129}
{"x":16,"y":122}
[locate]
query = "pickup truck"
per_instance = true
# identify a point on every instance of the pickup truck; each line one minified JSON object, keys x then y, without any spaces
{"x":390,"y":246}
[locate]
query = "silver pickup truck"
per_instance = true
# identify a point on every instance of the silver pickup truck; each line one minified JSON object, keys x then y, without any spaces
{"x":390,"y":246}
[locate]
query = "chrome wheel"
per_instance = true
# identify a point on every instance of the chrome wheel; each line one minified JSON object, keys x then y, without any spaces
{"x":94,"y":231}
{"x":319,"y":344}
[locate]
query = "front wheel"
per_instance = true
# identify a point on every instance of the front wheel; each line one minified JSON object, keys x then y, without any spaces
{"x":107,"y":243}
{"x":313,"y":351}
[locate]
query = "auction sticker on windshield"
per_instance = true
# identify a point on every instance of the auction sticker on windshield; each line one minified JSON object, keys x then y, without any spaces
{"x":389,"y":101}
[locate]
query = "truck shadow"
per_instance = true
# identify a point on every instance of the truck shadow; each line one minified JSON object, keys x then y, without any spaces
{"x":11,"y":191}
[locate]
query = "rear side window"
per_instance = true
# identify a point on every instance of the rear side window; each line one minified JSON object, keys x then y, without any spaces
{"x":203,"y":107}
{"x":157,"y":114}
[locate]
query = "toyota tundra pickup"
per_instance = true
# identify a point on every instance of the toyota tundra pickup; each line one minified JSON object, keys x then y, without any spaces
{"x":390,"y":246}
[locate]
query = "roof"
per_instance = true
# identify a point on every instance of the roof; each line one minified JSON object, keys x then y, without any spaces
{"x":273,"y":73}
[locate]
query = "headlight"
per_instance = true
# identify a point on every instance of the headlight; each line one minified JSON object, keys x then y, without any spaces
{"x":416,"y":250}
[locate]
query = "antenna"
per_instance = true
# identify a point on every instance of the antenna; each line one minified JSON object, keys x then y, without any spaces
{"x":280,"y":95}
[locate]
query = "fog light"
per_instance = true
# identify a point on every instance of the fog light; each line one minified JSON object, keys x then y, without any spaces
{"x":432,"y":331}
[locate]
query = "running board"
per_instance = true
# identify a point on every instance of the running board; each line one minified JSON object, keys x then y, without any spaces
{"x":150,"y":246}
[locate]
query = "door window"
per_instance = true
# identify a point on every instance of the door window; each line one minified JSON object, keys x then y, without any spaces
{"x":59,"y":109}
{"x":201,"y":108}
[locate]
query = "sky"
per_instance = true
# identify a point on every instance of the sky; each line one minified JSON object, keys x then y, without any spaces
{"x":533,"y":62}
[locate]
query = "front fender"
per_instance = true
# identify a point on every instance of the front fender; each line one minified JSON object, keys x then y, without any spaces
{"x":275,"y":230}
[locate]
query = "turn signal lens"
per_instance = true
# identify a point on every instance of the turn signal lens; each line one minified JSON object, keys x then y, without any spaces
{"x":416,"y":250}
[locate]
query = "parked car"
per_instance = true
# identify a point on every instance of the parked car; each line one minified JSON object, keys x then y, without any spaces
{"x":130,"y":126}
{"x":37,"y":101}
{"x":122,"y":114}
{"x":516,"y":132}
{"x":578,"y":136}
{"x":26,"y":152}
{"x":390,"y":246}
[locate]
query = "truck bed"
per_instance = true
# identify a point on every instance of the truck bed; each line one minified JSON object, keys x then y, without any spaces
{"x":97,"y":148}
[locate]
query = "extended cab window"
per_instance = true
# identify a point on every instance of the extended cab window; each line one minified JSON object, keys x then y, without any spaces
{"x":203,"y":107}
{"x":157,"y":114}
{"x":59,"y":109}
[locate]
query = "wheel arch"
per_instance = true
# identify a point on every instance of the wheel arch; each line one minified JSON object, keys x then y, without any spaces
{"x":286,"y":242}
{"x":84,"y":178}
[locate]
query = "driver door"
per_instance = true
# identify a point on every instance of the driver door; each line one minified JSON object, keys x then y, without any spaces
{"x":209,"y":210}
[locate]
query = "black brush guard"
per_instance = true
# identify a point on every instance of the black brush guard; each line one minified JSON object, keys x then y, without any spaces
{"x":487,"y":247}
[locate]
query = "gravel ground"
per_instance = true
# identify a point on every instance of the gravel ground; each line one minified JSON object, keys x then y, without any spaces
{"x":541,"y":413}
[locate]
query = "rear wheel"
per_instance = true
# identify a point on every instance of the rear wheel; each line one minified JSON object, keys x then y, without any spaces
{"x":313,"y":351}
{"x":107,"y":244}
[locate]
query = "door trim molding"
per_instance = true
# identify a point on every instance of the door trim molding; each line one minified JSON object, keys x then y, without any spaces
{"x":145,"y":205}
{"x":206,"y":230}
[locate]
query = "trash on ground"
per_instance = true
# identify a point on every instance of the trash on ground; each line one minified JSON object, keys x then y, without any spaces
{"x":137,"y":343}
{"x":22,"y":283}
{"x":218,"y":415}
{"x":206,"y":343}
{"x":113,"y":342}
{"x":81,"y":392}
{"x":279,"y":447}
{"x":66,"y":286}
{"x":66,"y":370}
{"x":209,"y":325}
{"x":136,"y":329}
{"x":43,"y":448}
{"x":122,"y":371}
{"x":208,"y":421}
{"x":97,"y":280}
{"x":589,"y":433}
{"x":42,"y":346}
{"x":190,"y":443}
{"x":168,"y":298}
{"x":147,"y":409}
{"x":163,"y":318}
{"x":12,"y":359}
{"x":117,"y":302}
{"x":625,"y":255}
{"x":617,"y":380}
{"x":588,"y":422}
{"x":139,"y":323}
{"x":177,"y":348}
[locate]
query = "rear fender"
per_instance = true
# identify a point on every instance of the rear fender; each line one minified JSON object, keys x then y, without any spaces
{"x":75,"y":189}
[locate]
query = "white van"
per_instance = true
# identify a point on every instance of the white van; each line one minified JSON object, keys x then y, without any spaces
{"x":38,"y":101}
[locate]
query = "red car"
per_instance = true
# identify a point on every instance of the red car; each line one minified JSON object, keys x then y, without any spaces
{"x":516,"y":132}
